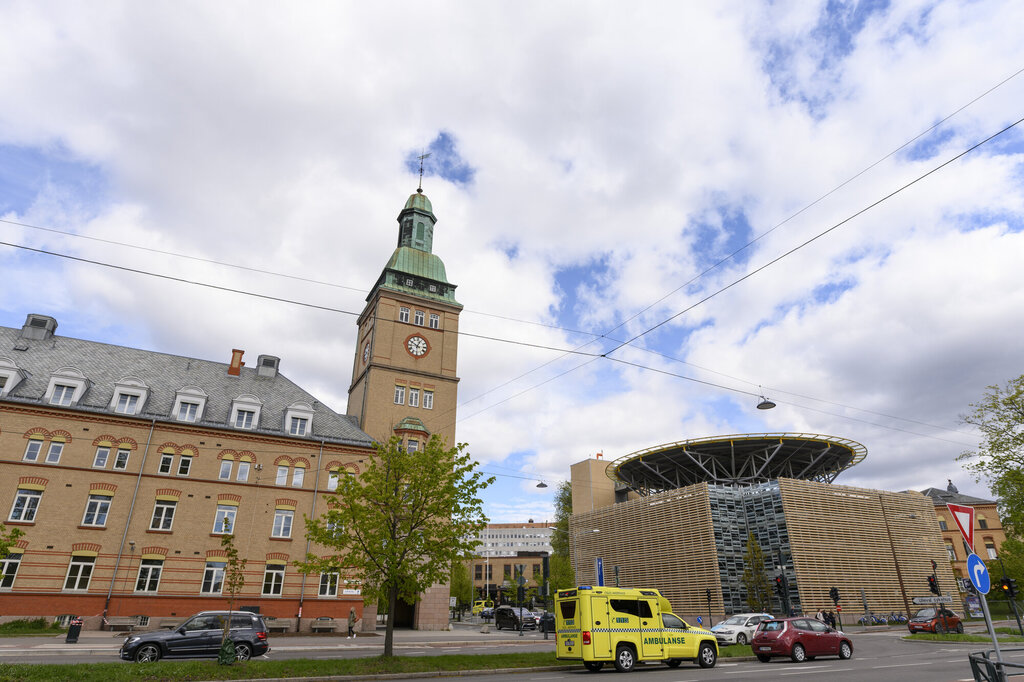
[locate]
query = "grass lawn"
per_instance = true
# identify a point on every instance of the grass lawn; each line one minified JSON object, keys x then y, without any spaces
{"x":169,"y":671}
{"x":931,"y":637}
{"x":36,"y":626}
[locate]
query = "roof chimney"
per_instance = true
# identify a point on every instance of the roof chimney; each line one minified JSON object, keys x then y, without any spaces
{"x":39,"y":327}
{"x":235,"y":368}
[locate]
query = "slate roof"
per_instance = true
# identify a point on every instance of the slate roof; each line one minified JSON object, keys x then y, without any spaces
{"x":943,"y":497}
{"x":104,"y":364}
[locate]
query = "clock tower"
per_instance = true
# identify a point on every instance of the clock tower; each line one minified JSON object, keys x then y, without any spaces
{"x":403,"y":377}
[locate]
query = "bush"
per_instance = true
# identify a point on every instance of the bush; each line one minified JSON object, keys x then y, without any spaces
{"x":26,"y":626}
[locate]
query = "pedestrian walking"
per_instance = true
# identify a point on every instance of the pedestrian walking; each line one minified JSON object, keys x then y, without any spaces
{"x":820,"y":616}
{"x":351,"y":623}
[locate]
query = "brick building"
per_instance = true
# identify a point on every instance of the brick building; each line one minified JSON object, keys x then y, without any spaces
{"x":126,"y":467}
{"x":989,"y":535}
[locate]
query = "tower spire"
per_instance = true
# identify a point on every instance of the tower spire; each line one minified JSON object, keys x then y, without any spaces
{"x":421,"y":157}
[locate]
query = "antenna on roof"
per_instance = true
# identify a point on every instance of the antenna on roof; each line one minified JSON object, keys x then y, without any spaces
{"x":421,"y":157}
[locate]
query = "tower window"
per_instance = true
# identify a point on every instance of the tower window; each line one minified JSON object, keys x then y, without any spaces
{"x":418,"y":319}
{"x":399,"y":395}
{"x":428,"y":400}
{"x":435,"y":321}
{"x":414,"y":397}
{"x":403,"y":314}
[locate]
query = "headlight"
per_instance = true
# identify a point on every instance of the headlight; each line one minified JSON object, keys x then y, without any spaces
{"x":132,"y":640}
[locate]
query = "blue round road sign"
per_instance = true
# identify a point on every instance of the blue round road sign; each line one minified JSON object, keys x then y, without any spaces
{"x":978,"y":573}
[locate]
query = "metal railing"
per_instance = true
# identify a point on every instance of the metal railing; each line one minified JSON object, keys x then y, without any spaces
{"x":985,"y":669}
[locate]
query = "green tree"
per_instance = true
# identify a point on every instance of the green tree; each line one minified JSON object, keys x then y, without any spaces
{"x":755,"y":580}
{"x":462,"y":585}
{"x":560,"y":565}
{"x":234,"y":581}
{"x":402,"y":523}
{"x":999,"y":459}
{"x":8,"y":538}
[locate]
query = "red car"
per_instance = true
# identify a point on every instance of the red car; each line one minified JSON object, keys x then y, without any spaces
{"x":802,"y":639}
{"x":935,"y":620}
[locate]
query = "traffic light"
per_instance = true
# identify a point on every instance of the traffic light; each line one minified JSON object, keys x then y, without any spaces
{"x":707,"y":593}
{"x":779,"y":586}
{"x":834,"y":595}
{"x":1009,"y":586}
{"x":933,"y":585}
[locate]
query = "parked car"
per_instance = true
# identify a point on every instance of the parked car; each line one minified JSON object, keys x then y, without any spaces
{"x":200,"y":637}
{"x":801,"y":639}
{"x":938,"y":620}
{"x":487,"y":612}
{"x":740,"y":628}
{"x":509,"y":617}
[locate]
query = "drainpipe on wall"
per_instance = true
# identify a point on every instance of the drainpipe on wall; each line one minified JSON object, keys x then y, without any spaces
{"x":131,"y":510}
{"x":312,"y":514}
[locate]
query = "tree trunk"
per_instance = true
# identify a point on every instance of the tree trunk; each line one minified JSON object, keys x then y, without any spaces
{"x":389,"y":632}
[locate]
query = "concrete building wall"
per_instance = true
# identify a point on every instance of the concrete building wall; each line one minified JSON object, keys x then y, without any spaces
{"x":591,"y":488}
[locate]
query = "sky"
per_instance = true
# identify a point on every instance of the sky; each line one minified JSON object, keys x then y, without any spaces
{"x":762,"y":199}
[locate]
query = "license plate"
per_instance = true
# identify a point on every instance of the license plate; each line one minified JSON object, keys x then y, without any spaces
{"x":764,"y":648}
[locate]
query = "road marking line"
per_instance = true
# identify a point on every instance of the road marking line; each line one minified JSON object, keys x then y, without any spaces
{"x":901,"y":665}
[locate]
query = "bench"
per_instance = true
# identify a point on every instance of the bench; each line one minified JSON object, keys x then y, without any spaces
{"x":279,"y":624}
{"x":324,"y":625}
{"x":128,"y":623}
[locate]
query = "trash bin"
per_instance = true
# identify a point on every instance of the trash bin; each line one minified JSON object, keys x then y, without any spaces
{"x":74,"y":628}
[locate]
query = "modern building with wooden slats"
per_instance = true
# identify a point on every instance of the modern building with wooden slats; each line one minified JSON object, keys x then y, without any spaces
{"x":677,"y":517}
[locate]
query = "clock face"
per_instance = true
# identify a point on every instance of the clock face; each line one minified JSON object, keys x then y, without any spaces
{"x":417,"y":346}
{"x":366,"y":353}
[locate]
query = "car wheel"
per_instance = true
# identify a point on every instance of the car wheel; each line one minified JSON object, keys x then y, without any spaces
{"x":625,"y":658}
{"x":741,"y":639}
{"x":147,"y":653}
{"x":497,"y":625}
{"x":673,"y":662}
{"x":593,"y":666}
{"x":940,"y":629}
{"x":243,"y":652}
{"x":798,"y":654}
{"x":707,"y":656}
{"x":845,"y":650}
{"x":764,"y":658}
{"x":959,"y":628}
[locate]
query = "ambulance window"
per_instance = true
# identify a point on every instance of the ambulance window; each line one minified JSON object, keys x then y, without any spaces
{"x":645,"y":609}
{"x":568,"y":609}
{"x":625,"y":606}
{"x":671,"y":621}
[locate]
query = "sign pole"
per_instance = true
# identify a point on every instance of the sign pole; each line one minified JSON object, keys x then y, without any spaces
{"x":992,"y":634}
{"x":982,"y":581}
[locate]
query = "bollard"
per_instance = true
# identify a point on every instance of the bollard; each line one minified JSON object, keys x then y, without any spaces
{"x":74,"y":629}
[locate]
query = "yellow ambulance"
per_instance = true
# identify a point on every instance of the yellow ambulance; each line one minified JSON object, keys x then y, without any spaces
{"x":598,"y":625}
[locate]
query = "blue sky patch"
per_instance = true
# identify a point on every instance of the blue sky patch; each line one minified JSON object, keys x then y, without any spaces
{"x":570,"y":280}
{"x":444,"y":161}
{"x":720,"y":235}
{"x":839,"y":24}
{"x":929,"y":145}
{"x":28,"y":172}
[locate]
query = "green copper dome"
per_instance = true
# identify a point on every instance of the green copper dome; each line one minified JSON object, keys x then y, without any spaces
{"x":420,"y":201}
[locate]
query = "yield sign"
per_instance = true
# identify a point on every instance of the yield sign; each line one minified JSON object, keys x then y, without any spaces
{"x":964,"y":518}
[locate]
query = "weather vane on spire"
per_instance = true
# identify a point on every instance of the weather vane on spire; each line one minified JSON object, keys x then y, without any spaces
{"x":421,"y":157}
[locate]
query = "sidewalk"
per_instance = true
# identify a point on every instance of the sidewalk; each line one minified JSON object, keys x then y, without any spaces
{"x":106,"y":644}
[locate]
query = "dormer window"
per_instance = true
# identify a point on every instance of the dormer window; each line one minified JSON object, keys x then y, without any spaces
{"x":245,"y":412}
{"x":129,"y":396}
{"x":67,"y":386}
{"x":189,"y":404}
{"x":298,"y":419}
{"x":10,"y":375}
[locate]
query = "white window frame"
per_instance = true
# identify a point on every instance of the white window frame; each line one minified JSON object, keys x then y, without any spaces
{"x":399,"y":394}
{"x":414,"y":397}
{"x":991,"y":549}
{"x":9,"y":566}
{"x":283,"y":519}
{"x":10,"y":375}
{"x":98,"y":506}
{"x":127,"y":403}
{"x":435,"y":321}
{"x":418,"y":318}
{"x":299,"y":410}
{"x":428,"y":399}
{"x":225,"y":513}
{"x":298,"y":476}
{"x":403,"y":314}
{"x":413,"y":445}
{"x":329,"y":584}
{"x":105,"y":451}
{"x":333,"y":479}
{"x":225,"y":469}
{"x":297,"y":426}
{"x":166,"y":462}
{"x":282,"y":475}
{"x":29,"y":505}
{"x":126,"y":389}
{"x":184,"y":465}
{"x":246,"y":402}
{"x":154,"y":566}
{"x":189,"y":395}
{"x":121,"y":458}
{"x":84,"y":564}
{"x":242,"y":476}
{"x":32,"y":453}
{"x":273,"y":577}
{"x":244,"y":419}
{"x":213,"y":575}
{"x":163,"y":514}
{"x":54,"y":451}
{"x":65,"y":377}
